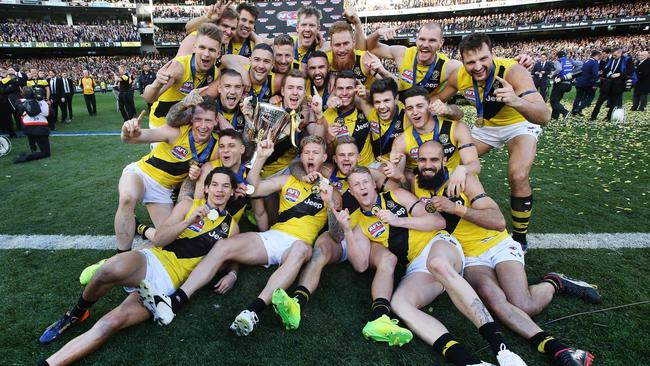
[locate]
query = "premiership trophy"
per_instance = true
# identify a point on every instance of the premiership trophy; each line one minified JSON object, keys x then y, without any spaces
{"x":270,"y":121}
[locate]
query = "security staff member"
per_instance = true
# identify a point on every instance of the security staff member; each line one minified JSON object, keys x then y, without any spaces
{"x":125,"y":96}
{"x":563,"y":73}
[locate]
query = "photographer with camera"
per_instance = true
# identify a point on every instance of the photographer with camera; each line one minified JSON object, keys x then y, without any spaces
{"x":34,"y":112}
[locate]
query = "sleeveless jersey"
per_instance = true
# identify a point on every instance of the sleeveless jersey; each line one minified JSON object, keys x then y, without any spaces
{"x":359,"y":73}
{"x":474,"y":239}
{"x":168,"y":164}
{"x":234,"y":117}
{"x":406,"y":244}
{"x":357,"y":126}
{"x":180,"y":89}
{"x":302,"y":213}
{"x":381,"y":140}
{"x":340,"y":183}
{"x":433,"y":83}
{"x":444,"y":130}
{"x":495,"y":113}
{"x":180,"y":257}
{"x":235,"y":206}
{"x":266,"y":90}
{"x":38,"y":84}
{"x":301,"y":54}
{"x":244,"y":48}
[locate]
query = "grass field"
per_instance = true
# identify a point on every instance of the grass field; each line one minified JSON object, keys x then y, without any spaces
{"x":588,"y":177}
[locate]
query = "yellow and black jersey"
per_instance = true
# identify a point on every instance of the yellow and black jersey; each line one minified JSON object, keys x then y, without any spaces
{"x":474,"y":239}
{"x":169,"y":164}
{"x":191,"y":80}
{"x":357,"y":69}
{"x":283,"y":153}
{"x":494,"y":113}
{"x":340,"y":183}
{"x":302,"y":54}
{"x":264,"y":91}
{"x":236,"y":206}
{"x":181,"y":256}
{"x":383,"y":133}
{"x":244,"y":48}
{"x":428,"y":76}
{"x":406,"y":244}
{"x":355,"y":124}
{"x":324,"y":92}
{"x":442,"y":132}
{"x":302,"y":212}
{"x":234,"y":117}
{"x":40,"y":84}
{"x":87,"y":84}
{"x":125,"y":83}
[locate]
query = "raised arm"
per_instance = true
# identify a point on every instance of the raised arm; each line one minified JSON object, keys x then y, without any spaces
{"x":167,"y":76}
{"x":264,"y":187}
{"x":515,"y":93}
{"x":395,"y":53}
{"x":132,"y":134}
{"x":469,"y":161}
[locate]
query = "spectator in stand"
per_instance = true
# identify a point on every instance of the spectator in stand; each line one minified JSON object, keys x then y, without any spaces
{"x":586,"y":84}
{"x":642,"y":88}
{"x":177,"y":11}
{"x":87,"y":84}
{"x":541,"y":70}
{"x":36,"y":30}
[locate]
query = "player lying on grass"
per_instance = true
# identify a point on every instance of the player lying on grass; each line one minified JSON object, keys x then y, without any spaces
{"x":330,"y":247}
{"x":494,"y":262}
{"x":288,"y":243}
{"x":398,"y":221}
{"x":194,"y":227}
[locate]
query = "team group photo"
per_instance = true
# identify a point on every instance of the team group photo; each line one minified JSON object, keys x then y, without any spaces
{"x":361,"y":182}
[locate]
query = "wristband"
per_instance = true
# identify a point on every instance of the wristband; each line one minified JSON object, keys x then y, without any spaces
{"x":460,"y":211}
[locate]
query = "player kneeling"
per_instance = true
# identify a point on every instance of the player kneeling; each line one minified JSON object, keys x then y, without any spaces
{"x":193,"y":228}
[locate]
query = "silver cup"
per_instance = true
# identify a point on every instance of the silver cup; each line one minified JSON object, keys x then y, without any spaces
{"x":269,"y":121}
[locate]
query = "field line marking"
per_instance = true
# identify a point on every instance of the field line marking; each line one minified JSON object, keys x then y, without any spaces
{"x":535,"y":241}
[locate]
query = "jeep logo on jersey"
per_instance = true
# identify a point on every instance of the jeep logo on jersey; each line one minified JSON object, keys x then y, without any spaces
{"x":309,"y":202}
{"x":187,"y":87}
{"x":179,"y":152}
{"x":196,"y":227}
{"x":287,"y":16}
{"x":292,"y":195}
{"x":469,"y":95}
{"x":375,"y":230}
{"x":414,"y":152}
{"x":361,"y":127}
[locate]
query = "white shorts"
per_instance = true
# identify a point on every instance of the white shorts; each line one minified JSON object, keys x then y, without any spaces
{"x":156,"y":275}
{"x":419,"y":264}
{"x":344,"y":254}
{"x":276,"y":243}
{"x":507,"y":250}
{"x":498,"y":136}
{"x":154,"y":192}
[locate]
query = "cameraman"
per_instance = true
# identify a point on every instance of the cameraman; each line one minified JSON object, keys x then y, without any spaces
{"x":34,"y":111}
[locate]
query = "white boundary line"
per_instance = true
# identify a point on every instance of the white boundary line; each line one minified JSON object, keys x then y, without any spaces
{"x":535,"y":241}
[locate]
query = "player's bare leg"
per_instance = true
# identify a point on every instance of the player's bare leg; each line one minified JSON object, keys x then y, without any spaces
{"x":521,"y":150}
{"x":512,"y":279}
{"x":326,"y":251}
{"x":292,"y":260}
{"x":131,"y":191}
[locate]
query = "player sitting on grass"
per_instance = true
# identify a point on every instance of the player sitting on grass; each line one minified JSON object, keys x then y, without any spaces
{"x":397,"y":220}
{"x":494,"y":262}
{"x":288,"y":243}
{"x":193,"y":228}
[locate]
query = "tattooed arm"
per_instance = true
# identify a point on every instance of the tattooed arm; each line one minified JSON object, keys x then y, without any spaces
{"x":180,"y":113}
{"x":187,"y":189}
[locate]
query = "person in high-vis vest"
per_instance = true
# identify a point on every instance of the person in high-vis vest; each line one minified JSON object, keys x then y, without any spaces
{"x":195,"y":226}
{"x":180,"y":76}
{"x":494,"y":263}
{"x":509,"y":111}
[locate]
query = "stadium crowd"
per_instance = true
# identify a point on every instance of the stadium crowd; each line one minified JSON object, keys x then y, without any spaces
{"x":168,"y":35}
{"x":105,"y":30}
{"x":362,"y":5}
{"x":522,"y":18}
{"x":177,"y":11}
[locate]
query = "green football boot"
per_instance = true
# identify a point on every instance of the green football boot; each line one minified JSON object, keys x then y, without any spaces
{"x":287,"y":307}
{"x":385,"y":329}
{"x":88,"y":272}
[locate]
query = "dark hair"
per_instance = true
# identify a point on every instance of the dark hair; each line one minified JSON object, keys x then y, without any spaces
{"x":607,"y":50}
{"x":560,"y":54}
{"x":208,"y":104}
{"x":229,"y":13}
{"x":595,"y":53}
{"x":249,"y":7}
{"x":544,"y":54}
{"x":474,"y":42}
{"x":416,"y":91}
{"x":309,"y":11}
{"x":345,"y":74}
{"x":265,"y":47}
{"x":221,"y":170}
{"x":318,"y":53}
{"x":383,"y":85}
{"x":230,"y":72}
{"x":283,"y":40}
{"x":294,"y":74}
{"x":232,"y":133}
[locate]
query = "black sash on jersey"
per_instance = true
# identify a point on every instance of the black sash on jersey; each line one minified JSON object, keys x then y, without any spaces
{"x":349,"y":202}
{"x":398,"y":129}
{"x":490,"y":106}
{"x":303,"y":209}
{"x":361,"y":130}
{"x":444,"y":137}
{"x":358,"y":70}
{"x":398,"y":237}
{"x":199,"y":246}
{"x":434,"y":80}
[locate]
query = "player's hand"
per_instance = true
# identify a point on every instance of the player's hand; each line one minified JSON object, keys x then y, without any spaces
{"x":343,"y":218}
{"x":198,"y":214}
{"x":312,"y":177}
{"x":265,"y":148}
{"x":438,"y":107}
{"x":350,"y":15}
{"x":240,"y":190}
{"x":195,"y":171}
{"x":615,"y":76}
{"x":226,"y":283}
{"x":163,"y":76}
{"x":396,"y":157}
{"x":325,"y":192}
{"x":390,"y":170}
{"x":131,"y":128}
{"x":193,"y":99}
{"x":316,"y":105}
{"x":360,"y":90}
{"x":388,"y":33}
{"x":387,"y":217}
{"x":246,"y":107}
{"x":506,"y":94}
{"x":276,"y":99}
{"x":525,"y":60}
{"x":444,"y":204}
{"x":333,"y":102}
{"x":456,"y":182}
{"x":332,"y":132}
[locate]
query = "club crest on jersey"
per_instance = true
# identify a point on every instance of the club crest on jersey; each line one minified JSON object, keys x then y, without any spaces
{"x":390,"y":205}
{"x":407,"y":76}
{"x":444,"y":138}
{"x":224,"y":227}
{"x":357,"y":71}
{"x":196,"y":227}
{"x":469,"y":95}
{"x":292,"y":195}
{"x":374,"y":128}
{"x":414,"y":152}
{"x":375,"y":230}
{"x":187,"y":87}
{"x":179,"y":152}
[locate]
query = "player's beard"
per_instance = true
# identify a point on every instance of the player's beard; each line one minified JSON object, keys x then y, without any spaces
{"x":346,"y":63}
{"x":431,"y":182}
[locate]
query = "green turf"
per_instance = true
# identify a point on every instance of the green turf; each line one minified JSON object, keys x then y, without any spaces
{"x":44,"y":285}
{"x":588,"y":177}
